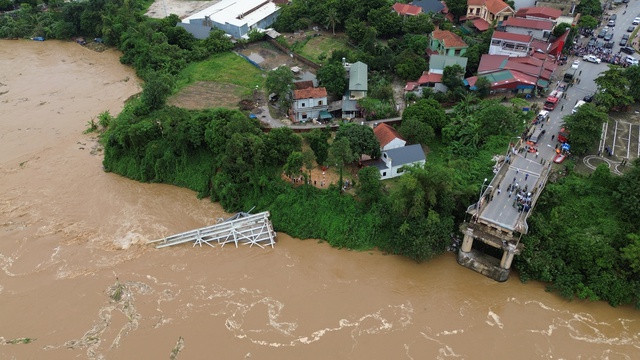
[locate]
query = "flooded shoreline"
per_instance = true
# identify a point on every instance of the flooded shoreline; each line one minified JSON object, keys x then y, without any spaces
{"x":71,"y":235}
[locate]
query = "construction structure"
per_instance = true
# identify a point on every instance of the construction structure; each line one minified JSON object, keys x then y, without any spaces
{"x":497,"y":219}
{"x":242,"y":228}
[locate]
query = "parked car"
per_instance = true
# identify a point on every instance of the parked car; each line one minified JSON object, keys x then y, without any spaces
{"x":602,"y":33}
{"x":613,"y":17}
{"x":592,"y":42}
{"x":623,"y":42}
{"x":608,"y":37}
{"x":611,"y":23}
{"x":588,"y":98}
{"x":592,"y":58}
{"x":636,"y":21}
{"x":631,"y":60}
{"x":628,"y":50}
{"x":575,"y":64}
{"x":631,"y":28}
{"x":608,"y":44}
{"x":625,"y":36}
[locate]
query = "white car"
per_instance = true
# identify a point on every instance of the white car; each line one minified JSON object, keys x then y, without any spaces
{"x":636,"y":21}
{"x":591,"y":58}
{"x":575,"y":64}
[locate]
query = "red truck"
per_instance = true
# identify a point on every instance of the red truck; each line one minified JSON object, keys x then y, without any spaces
{"x":553,"y":100}
{"x":563,"y":135}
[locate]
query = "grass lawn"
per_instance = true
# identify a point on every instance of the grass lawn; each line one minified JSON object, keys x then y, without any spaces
{"x":227,"y":68}
{"x":324,"y":45}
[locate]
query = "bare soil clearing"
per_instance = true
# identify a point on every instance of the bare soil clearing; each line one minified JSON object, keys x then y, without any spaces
{"x":207,"y":94}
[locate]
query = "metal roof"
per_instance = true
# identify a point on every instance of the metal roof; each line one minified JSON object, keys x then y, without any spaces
{"x":358,"y":76}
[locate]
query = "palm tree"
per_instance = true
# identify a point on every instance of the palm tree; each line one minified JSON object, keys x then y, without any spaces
{"x":332,"y":19}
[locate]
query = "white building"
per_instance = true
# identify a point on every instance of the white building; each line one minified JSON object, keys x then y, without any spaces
{"x":235,"y":17}
{"x":309,"y":104}
{"x":393,"y":160}
{"x":510,"y":44}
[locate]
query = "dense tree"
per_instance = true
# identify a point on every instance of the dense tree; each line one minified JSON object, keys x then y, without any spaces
{"x":457,"y":7}
{"x":409,"y":66}
{"x":452,"y":77}
{"x":356,"y":30}
{"x":419,"y":24}
{"x":333,"y":77}
{"x":628,"y":193}
{"x":280,"y":82}
{"x":613,"y":88}
{"x":333,"y":19}
{"x":631,"y":252}
{"x":340,"y":153}
{"x":374,"y":109}
{"x":362,"y":140}
{"x":497,"y":119}
{"x":369,"y":187}
{"x":588,"y":22}
{"x":318,"y":142}
{"x":387,"y":23}
{"x":416,"y":131}
{"x":632,"y":73}
{"x":293,"y":165}
{"x":560,"y":29}
{"x":155,"y":91}
{"x":585,"y":126}
{"x":483,"y":87}
{"x":279,"y":144}
{"x":427,"y":111}
{"x":590,"y":7}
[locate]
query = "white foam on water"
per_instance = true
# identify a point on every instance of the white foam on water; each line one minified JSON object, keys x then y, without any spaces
{"x":494,"y":319}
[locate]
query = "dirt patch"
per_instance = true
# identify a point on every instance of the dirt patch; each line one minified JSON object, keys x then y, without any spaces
{"x":205,"y":94}
{"x":268,"y":57}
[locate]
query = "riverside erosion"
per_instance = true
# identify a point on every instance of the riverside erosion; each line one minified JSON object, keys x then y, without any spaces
{"x":78,"y":280}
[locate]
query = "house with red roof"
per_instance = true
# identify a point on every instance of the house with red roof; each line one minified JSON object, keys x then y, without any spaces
{"x":406,"y":9}
{"x":539,"y":29}
{"x":539,"y":13}
{"x":513,"y":74}
{"x":445,"y":42}
{"x":388,"y":137}
{"x":310,"y":104}
{"x":510,"y":44}
{"x":483,"y":13}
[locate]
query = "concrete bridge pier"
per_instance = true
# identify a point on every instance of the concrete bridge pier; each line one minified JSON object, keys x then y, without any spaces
{"x":467,"y":242}
{"x":485,"y":264}
{"x":507,"y":257}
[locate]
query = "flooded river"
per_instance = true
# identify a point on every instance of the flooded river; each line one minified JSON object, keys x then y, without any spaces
{"x":72,"y":239}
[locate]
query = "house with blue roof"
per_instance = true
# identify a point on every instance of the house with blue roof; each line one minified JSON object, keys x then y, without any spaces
{"x":392,"y":162}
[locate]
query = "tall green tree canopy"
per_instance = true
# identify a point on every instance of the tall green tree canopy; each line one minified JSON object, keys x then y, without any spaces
{"x":280,"y":82}
{"x":333,"y":77}
{"x":584,"y":127}
{"x":362,"y":140}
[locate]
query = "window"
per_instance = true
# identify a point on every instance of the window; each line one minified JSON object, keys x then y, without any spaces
{"x":303,"y":105}
{"x":304,"y":116}
{"x":401,"y":170}
{"x":319,"y":102}
{"x":384,"y":155}
{"x":384,"y":173}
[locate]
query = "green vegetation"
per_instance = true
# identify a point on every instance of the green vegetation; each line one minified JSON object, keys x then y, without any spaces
{"x":317,"y":48}
{"x":584,"y":236}
{"x":227,"y":68}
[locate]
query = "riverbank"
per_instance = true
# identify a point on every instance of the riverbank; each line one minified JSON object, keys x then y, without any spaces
{"x":71,"y":232}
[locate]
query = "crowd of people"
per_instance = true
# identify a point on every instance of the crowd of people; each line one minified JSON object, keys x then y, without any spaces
{"x":606,"y":55}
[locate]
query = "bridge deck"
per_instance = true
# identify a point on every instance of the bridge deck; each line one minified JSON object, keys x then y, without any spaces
{"x":247,"y":230}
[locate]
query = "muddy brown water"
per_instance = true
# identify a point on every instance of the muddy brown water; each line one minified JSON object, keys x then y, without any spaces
{"x":68,"y":230}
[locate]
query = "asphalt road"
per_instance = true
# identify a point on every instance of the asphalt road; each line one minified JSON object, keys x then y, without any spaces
{"x":501,"y":210}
